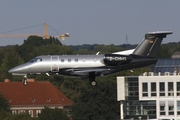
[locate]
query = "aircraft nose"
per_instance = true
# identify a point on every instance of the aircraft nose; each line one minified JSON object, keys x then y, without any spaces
{"x":13,"y":70}
{"x":19,"y":69}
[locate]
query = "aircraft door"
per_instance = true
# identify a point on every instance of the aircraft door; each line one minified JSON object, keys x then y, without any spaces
{"x":54,"y":66}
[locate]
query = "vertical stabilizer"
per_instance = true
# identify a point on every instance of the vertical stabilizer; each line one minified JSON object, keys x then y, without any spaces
{"x":151,"y":43}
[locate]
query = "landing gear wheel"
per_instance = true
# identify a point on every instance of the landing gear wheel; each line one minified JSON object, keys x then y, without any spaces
{"x":25,"y":80}
{"x":93,"y":83}
{"x":92,"y":77}
{"x":25,"y":83}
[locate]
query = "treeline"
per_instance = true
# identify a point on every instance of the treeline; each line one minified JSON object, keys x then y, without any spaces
{"x":89,"y":103}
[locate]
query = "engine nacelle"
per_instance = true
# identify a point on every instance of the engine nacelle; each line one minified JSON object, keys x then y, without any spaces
{"x":114,"y":59}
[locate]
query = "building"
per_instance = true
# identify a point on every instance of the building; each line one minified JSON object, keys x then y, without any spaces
{"x":150,"y":96}
{"x":167,"y":65}
{"x":33,"y":97}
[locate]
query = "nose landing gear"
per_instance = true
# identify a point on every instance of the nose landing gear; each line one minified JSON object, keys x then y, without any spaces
{"x":25,"y":80}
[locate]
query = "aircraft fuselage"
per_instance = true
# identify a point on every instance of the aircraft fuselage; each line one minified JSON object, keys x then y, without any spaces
{"x":81,"y":65}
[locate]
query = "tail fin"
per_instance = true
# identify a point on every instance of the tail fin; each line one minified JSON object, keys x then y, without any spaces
{"x":151,"y":43}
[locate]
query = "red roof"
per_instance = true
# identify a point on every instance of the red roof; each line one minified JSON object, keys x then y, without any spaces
{"x":34,"y":94}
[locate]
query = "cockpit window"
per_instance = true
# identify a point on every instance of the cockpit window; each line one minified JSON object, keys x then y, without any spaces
{"x":35,"y":60}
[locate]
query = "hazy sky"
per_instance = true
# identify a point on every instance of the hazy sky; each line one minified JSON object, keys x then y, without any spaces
{"x":91,"y":21}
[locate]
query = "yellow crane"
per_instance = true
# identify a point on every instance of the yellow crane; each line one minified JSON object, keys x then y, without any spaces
{"x":45,"y":35}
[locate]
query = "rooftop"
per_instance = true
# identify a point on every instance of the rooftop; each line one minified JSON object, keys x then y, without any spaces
{"x":34,"y":94}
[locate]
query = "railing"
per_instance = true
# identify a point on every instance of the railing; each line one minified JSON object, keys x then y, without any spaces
{"x":160,"y":74}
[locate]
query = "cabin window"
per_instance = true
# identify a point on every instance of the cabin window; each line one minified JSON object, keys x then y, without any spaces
{"x":69,"y":60}
{"x":83,"y":60}
{"x":76,"y":60}
{"x":39,"y":60}
{"x":54,"y":58}
{"x":62,"y":60}
{"x":35,"y":60}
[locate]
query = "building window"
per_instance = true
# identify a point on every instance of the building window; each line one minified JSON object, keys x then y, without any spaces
{"x":171,"y":107}
{"x":38,"y":112}
{"x":21,"y":111}
{"x":133,"y":89}
{"x":144,"y":89}
{"x":153,"y":89}
{"x":178,"y":107}
{"x":170,"y":89}
{"x":30,"y":113}
{"x":161,"y":89}
{"x":162,"y":108}
{"x":178,"y":88}
{"x":13,"y":112}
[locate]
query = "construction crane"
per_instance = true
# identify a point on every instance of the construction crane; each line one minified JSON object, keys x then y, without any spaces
{"x":45,"y":35}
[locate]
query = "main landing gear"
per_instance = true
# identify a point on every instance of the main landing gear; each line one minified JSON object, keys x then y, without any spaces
{"x":25,"y":80}
{"x":92,"y":77}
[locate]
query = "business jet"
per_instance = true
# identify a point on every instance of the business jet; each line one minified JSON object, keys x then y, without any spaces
{"x":92,"y":66}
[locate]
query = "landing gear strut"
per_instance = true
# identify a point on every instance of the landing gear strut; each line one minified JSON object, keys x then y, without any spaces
{"x":25,"y":80}
{"x":92,"y":78}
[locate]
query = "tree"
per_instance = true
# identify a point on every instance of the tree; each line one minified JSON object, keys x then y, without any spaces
{"x":164,"y":52}
{"x":53,"y":114}
{"x":105,"y":49}
{"x":23,"y":116}
{"x":4,"y":115}
{"x":9,"y":59}
{"x":97,"y":103}
{"x":4,"y":106}
{"x":34,"y":44}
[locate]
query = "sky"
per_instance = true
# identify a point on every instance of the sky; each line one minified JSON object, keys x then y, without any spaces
{"x":90,"y":21}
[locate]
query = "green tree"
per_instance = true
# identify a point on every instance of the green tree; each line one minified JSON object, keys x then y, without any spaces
{"x":164,"y":52}
{"x":4,"y":106}
{"x":53,"y":114}
{"x":97,"y":103}
{"x":4,"y":115}
{"x":23,"y":116}
{"x":33,"y":43}
{"x":104,"y":49}
{"x":9,"y":59}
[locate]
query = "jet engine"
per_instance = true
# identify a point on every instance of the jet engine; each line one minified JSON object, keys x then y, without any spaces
{"x":114,"y":59}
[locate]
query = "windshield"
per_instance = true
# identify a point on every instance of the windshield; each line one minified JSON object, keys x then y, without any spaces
{"x":35,"y":60}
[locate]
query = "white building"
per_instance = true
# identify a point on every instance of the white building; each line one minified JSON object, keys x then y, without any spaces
{"x":149,"y":96}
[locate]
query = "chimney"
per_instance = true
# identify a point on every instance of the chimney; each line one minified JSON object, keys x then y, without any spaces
{"x":30,"y":80}
{"x":6,"y":80}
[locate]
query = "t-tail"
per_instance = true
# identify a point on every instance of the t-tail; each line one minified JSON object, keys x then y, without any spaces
{"x":151,"y":43}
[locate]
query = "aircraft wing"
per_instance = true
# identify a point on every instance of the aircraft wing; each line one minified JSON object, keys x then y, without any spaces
{"x":85,"y":72}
